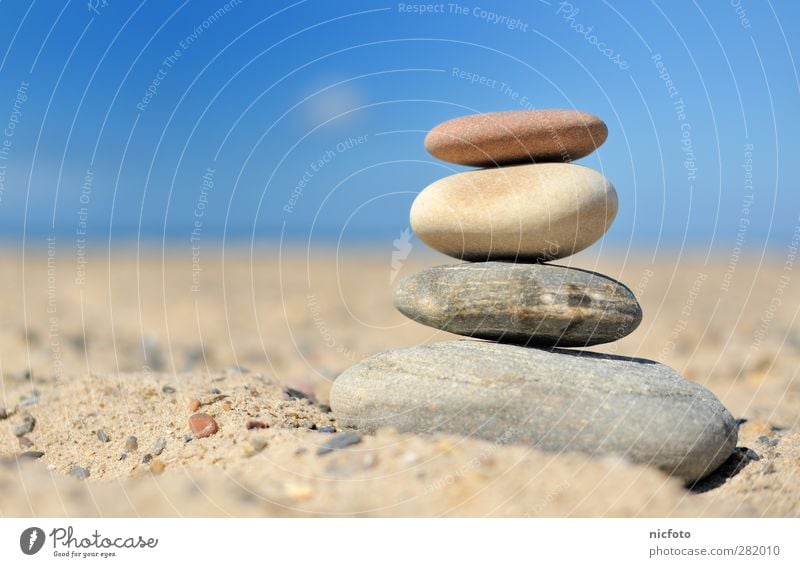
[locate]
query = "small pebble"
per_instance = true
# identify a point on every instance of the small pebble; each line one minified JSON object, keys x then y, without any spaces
{"x":339,"y":442}
{"x":123,"y":456}
{"x":168,"y":389}
{"x":157,"y":466}
{"x":203,"y":425}
{"x":31,"y":455}
{"x":255,"y":424}
{"x":79,"y":472}
{"x":254,"y":446}
{"x":298,"y":491}
{"x":311,"y":425}
{"x":296,"y":394}
{"x":226,"y":406}
{"x":147,"y":458}
{"x":27,"y":425}
{"x":769,"y":442}
{"x":325,"y":408}
{"x":131,"y":444}
{"x":24,"y":442}
{"x":327,"y":429}
{"x":102,"y":436}
{"x":187,"y":438}
{"x":300,"y":451}
{"x":216,"y":391}
{"x":3,"y":413}
{"x":194,"y":405}
{"x":29,"y":401}
{"x":159,"y":447}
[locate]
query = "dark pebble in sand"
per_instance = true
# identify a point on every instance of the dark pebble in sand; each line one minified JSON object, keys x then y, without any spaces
{"x":168,"y":389}
{"x":147,"y":458}
{"x":29,"y":400}
{"x":216,"y":391}
{"x":24,"y":442}
{"x":159,"y":447}
{"x":767,"y":441}
{"x":27,"y":425}
{"x":339,"y":442}
{"x":311,"y":425}
{"x":123,"y":456}
{"x":79,"y":472}
{"x":325,"y":408}
{"x":131,"y":444}
{"x":3,"y":413}
{"x":203,"y":425}
{"x":31,"y":455}
{"x":327,"y":429}
{"x":295,"y":394}
{"x":102,"y":436}
{"x":255,"y":424}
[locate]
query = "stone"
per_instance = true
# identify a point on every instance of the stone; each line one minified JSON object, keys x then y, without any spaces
{"x":203,"y":425}
{"x":27,"y":425}
{"x":159,"y":446}
{"x":525,"y":213}
{"x":339,"y":442}
{"x":554,"y":400}
{"x":521,"y":136}
{"x":194,"y":404}
{"x":254,"y":446}
{"x":531,"y":304}
{"x":102,"y":436}
{"x":157,"y":466}
{"x":79,"y":472}
{"x":131,"y":444}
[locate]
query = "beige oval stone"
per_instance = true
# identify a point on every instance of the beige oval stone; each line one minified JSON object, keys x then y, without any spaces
{"x":523,"y":136}
{"x":524,"y":213}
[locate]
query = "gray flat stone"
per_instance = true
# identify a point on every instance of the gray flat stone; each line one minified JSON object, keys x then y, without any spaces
{"x":531,"y":304}
{"x":561,"y":400}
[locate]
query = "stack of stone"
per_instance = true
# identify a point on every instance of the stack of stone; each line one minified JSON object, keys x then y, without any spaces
{"x":529,"y":205}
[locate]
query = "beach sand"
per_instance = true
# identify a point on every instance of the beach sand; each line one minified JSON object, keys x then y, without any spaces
{"x":126,"y":341}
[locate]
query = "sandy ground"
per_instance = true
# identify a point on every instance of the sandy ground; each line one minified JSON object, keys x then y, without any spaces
{"x":125,"y":343}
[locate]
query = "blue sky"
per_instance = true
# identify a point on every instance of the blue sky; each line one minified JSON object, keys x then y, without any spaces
{"x":306,"y":119}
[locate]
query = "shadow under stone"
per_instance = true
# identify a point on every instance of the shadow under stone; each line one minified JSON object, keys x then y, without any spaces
{"x":739,"y":459}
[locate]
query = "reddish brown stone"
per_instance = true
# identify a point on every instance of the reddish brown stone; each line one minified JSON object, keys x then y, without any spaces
{"x":524,"y":136}
{"x":203,"y":425}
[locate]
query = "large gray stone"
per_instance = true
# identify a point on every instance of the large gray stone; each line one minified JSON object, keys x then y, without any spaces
{"x":532,"y":304}
{"x":559,"y":400}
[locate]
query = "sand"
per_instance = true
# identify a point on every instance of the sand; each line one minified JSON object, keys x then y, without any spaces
{"x":92,"y":347}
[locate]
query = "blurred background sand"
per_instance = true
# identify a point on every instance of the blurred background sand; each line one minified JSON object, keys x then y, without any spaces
{"x":94,"y":353}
